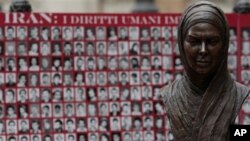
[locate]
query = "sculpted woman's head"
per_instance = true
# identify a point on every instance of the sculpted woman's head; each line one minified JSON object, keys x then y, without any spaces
{"x":203,"y":39}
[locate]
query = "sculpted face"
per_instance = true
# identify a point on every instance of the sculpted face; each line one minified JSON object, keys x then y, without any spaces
{"x":203,"y":47}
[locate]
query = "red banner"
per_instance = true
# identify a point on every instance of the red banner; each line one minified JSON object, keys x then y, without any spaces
{"x":96,"y":77}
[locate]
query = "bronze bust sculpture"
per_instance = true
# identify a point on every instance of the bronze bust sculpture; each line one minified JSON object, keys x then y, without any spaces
{"x":202,"y":105}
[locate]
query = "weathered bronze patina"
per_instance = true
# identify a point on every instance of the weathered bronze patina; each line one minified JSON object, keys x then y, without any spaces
{"x":203,"y":104}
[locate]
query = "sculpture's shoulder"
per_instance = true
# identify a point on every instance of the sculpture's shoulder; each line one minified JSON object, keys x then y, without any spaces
{"x":244,"y":94}
{"x":167,"y":91}
{"x":242,"y":90}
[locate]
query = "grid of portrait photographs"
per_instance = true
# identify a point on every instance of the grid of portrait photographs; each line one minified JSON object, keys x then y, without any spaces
{"x":244,"y":54}
{"x":77,"y":83}
{"x":92,"y":83}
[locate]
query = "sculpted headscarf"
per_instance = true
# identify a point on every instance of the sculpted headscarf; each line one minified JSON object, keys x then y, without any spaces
{"x":196,"y":115}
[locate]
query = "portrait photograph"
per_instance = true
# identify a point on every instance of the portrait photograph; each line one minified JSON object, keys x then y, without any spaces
{"x":33,"y":49}
{"x":133,"y":33}
{"x":59,"y":137}
{"x":81,"y":110}
{"x":112,"y":48}
{"x":45,"y":33}
{"x":46,"y":110}
{"x":22,"y":33}
{"x":11,"y":64}
{"x":56,"y":33}
{"x":245,"y":47}
{"x":10,"y":32}
{"x":93,"y":124}
{"x":144,"y":33}
{"x":123,"y":48}
{"x":232,"y":62}
{"x":126,"y":122}
{"x":112,"y":33}
{"x":102,"y":78}
{"x":245,"y":76}
{"x":125,"y":109}
{"x":134,"y":62}
{"x":67,"y":33}
{"x":80,"y":94}
{"x":146,"y":92}
{"x":104,"y":124}
{"x":90,"y":48}
{"x":157,"y":78}
{"x":102,"y":94}
{"x":232,"y":49}
{"x":167,"y":63}
{"x":155,"y":33}
{"x":145,"y":48}
{"x":123,"y":78}
{"x":101,"y":33}
{"x":46,"y":125}
{"x":134,"y":48}
{"x":115,"y":124}
{"x":10,"y":96}
{"x":78,"y":33}
{"x":45,"y":48}
{"x":114,"y":109}
{"x":34,"y":94}
{"x":79,"y":48}
{"x":166,"y":32}
{"x":22,"y":49}
{"x":69,"y":109}
{"x":70,"y":125}
{"x":245,"y":61}
{"x":134,"y":78}
{"x":10,"y":49}
{"x":103,"y":109}
{"x":167,"y":77}
{"x":90,"y":33}
{"x":245,"y":33}
{"x":156,"y":62}
{"x":123,"y":63}
{"x":22,"y":95}
{"x":23,"y":125}
{"x":101,"y":48}
{"x":57,"y":94}
{"x":57,"y":110}
{"x":67,"y":48}
{"x":145,"y":63}
{"x":35,"y":126}
{"x":56,"y":48}
{"x":34,"y":33}
{"x":123,"y":33}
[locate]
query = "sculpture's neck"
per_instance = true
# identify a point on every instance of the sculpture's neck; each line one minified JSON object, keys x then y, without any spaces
{"x":200,"y":81}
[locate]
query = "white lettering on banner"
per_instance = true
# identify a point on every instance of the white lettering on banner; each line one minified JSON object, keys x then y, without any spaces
{"x":46,"y":17}
{"x":7,"y":18}
{"x":171,"y":19}
{"x":43,"y":18}
{"x":147,"y":20}
{"x":76,"y":19}
{"x":22,"y":18}
{"x":33,"y":19}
